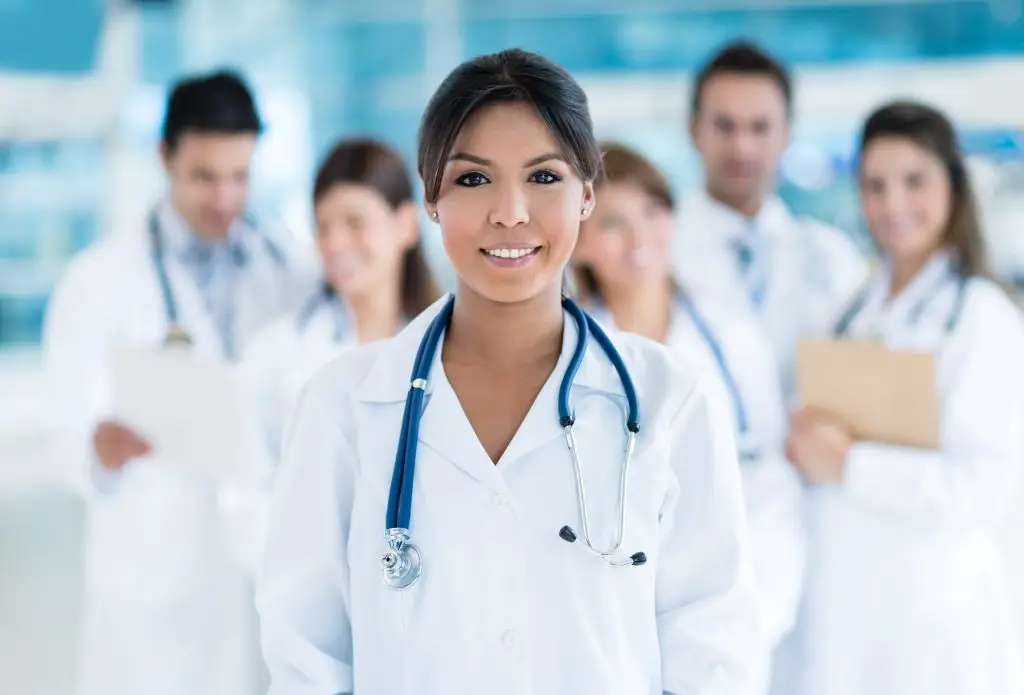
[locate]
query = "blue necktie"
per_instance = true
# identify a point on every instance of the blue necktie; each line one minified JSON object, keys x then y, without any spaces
{"x":214,"y":267}
{"x":750,"y":259}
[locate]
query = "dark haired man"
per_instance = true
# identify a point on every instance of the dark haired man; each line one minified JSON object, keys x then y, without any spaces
{"x":736,"y":237}
{"x":165,"y":604}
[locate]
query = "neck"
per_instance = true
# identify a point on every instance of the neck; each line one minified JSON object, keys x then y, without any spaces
{"x":204,"y":234}
{"x":904,"y":270}
{"x":747,"y":206}
{"x":502,"y":335}
{"x":376,"y":314}
{"x":644,"y":308}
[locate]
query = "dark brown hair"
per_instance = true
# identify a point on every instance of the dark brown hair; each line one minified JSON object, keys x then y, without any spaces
{"x":929,"y":129}
{"x":622,"y":164}
{"x":371,"y":163}
{"x":511,"y":76}
{"x":741,"y":58}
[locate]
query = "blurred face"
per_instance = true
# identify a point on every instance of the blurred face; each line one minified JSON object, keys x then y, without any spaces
{"x":626,"y":240}
{"x":509,"y":205}
{"x":906,"y":196}
{"x":209,"y":177}
{"x":361,"y":238}
{"x":741,"y":131}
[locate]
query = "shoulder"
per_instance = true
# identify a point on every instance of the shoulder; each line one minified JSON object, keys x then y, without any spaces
{"x":829,"y":239}
{"x":99,"y":267}
{"x":989,"y":311}
{"x":666,"y":380}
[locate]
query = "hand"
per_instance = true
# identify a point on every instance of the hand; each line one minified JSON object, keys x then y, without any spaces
{"x":818,"y":447}
{"x":115,"y":445}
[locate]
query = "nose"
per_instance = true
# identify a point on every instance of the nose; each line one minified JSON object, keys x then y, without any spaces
{"x":509,"y":208}
{"x":335,"y":239}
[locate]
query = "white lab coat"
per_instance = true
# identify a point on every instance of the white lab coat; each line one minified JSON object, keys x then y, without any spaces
{"x":504,"y":605}
{"x":164,"y":605}
{"x":772,"y":489}
{"x":275,"y":367}
{"x":906,"y":592}
{"x":811,"y":268}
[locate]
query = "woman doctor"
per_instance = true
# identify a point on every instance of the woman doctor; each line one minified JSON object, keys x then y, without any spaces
{"x":905,"y":589}
{"x":622,"y":274}
{"x":375,"y":278}
{"x":477,"y":575}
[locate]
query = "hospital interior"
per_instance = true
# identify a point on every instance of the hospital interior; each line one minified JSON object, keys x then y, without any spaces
{"x":83,"y":86}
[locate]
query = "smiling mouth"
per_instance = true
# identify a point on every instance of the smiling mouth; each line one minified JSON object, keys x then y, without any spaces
{"x":510,"y":254}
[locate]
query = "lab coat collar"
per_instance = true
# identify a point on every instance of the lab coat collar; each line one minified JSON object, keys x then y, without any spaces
{"x":388,"y":380}
{"x":772,"y":220}
{"x":184,"y":245}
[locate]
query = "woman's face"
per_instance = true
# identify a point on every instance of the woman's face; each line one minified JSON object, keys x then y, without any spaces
{"x":626,"y":240}
{"x":906,"y":196}
{"x":509,"y":205}
{"x":361,"y":238}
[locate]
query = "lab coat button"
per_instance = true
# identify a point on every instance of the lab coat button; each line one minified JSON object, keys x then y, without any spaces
{"x":509,"y":638}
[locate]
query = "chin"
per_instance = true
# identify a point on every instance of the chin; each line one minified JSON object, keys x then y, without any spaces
{"x":514,"y":290}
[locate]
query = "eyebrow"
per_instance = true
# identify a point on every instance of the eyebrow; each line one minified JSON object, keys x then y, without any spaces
{"x":466,"y":157}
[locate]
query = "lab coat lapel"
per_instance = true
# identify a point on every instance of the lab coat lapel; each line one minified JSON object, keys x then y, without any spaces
{"x":446,"y":430}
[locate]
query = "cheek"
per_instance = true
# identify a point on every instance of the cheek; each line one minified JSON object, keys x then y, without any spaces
{"x":932,"y":209}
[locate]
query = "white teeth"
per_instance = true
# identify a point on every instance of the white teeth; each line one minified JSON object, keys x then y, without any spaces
{"x":509,"y":253}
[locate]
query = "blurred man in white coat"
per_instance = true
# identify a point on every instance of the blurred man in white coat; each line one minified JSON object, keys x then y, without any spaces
{"x":735,"y":237}
{"x":165,"y":606}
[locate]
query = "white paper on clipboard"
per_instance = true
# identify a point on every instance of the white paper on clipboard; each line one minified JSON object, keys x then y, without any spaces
{"x":190,"y":408}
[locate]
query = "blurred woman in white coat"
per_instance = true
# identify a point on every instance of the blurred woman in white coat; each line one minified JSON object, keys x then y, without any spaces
{"x":427,"y":532}
{"x":376,"y":278}
{"x":622,"y":273}
{"x":906,"y":592}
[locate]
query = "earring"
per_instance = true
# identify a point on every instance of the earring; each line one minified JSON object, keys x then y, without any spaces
{"x":585,"y":212}
{"x":433,"y":215}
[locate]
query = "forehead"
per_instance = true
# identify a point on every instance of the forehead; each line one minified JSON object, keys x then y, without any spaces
{"x":897,"y":153}
{"x":511,"y":131}
{"x":351,"y":198}
{"x":622,"y":193}
{"x":216,"y":150}
{"x":743,"y":96}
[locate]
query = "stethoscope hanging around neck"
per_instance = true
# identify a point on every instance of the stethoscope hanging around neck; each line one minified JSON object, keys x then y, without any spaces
{"x":176,"y":333}
{"x":842,"y":327}
{"x":747,"y":446}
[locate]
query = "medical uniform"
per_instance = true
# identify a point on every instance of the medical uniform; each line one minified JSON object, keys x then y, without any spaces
{"x":772,"y":489}
{"x":504,"y":605}
{"x":282,"y":357}
{"x":164,"y":604}
{"x":906,"y":592}
{"x":277,"y":363}
{"x":792,"y":273}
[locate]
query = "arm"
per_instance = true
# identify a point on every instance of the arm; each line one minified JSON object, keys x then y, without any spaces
{"x":75,"y":339}
{"x":302,"y":593}
{"x":707,"y":608}
{"x":974,"y":476}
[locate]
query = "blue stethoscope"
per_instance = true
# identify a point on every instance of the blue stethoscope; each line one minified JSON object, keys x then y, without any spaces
{"x":401,"y":564}
{"x":176,"y":332}
{"x":747,"y":446}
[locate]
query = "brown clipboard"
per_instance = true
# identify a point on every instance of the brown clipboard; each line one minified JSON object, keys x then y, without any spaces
{"x":881,"y":395}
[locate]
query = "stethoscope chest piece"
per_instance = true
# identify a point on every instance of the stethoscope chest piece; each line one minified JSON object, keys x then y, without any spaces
{"x":400,"y":564}
{"x":177,"y":336}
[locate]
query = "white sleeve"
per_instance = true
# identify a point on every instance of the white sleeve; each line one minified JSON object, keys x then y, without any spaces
{"x":973,"y":478}
{"x":75,"y":342}
{"x":303,"y":590}
{"x":707,"y":608}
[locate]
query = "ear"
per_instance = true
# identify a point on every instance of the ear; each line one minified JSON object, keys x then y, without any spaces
{"x":692,"y":128}
{"x":408,"y":227}
{"x":165,"y":154}
{"x":588,"y":201}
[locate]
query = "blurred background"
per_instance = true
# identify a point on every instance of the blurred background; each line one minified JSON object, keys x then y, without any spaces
{"x":82,"y":88}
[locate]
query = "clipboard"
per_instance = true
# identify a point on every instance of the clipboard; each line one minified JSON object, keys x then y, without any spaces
{"x":191,"y":409}
{"x":881,"y":395}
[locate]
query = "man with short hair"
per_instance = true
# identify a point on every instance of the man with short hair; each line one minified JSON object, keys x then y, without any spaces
{"x":737,"y":234}
{"x":166,"y":607}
